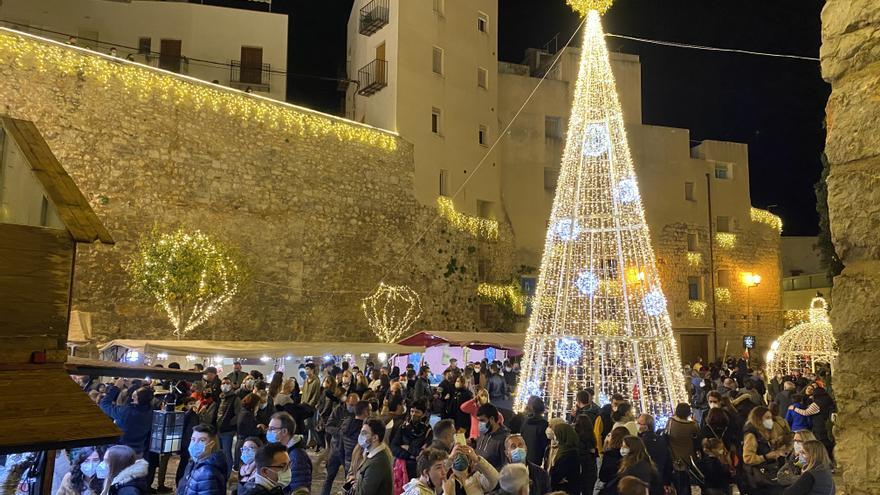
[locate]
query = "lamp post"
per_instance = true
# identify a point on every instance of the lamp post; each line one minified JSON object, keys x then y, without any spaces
{"x":750,"y":280}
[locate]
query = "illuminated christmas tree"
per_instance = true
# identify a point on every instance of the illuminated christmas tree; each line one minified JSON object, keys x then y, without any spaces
{"x":600,"y":317}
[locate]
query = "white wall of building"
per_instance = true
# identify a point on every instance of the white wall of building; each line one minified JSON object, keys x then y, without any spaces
{"x":206,"y":32}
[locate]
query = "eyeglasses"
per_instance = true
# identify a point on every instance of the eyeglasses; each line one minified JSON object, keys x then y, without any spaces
{"x":274,"y":428}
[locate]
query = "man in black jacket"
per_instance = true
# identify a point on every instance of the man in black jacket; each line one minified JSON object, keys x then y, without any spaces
{"x":344,"y":428}
{"x":516,"y":451}
{"x":490,"y":443}
{"x":584,"y":422}
{"x":273,"y":471}
{"x":134,"y":419}
{"x":409,"y":439}
{"x":657,"y":447}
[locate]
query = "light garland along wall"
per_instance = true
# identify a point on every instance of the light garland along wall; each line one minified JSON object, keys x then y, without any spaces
{"x":145,"y":82}
{"x":476,"y":226}
{"x":509,"y":294}
{"x":600,"y":318}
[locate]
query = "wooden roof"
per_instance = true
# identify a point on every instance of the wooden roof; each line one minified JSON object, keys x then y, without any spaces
{"x":73,"y":208}
{"x":42,"y":408}
{"x":98,"y":367}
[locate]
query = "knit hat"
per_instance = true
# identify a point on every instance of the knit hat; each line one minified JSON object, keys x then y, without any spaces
{"x":514,"y":477}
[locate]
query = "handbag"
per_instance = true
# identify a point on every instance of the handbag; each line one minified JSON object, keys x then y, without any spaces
{"x":761,"y":475}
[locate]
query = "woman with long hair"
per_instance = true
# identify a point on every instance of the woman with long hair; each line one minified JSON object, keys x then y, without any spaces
{"x":763,"y":445}
{"x":816,"y":478}
{"x":360,"y":383}
{"x":717,"y":468}
{"x":123,"y":472}
{"x":461,"y":395}
{"x":611,"y":455}
{"x":82,"y":479}
{"x":248,"y":467}
{"x":564,"y":462}
{"x":635,"y":461}
{"x":275,"y":384}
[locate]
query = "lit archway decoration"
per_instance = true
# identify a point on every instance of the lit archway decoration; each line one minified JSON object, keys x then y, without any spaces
{"x":805,"y":345}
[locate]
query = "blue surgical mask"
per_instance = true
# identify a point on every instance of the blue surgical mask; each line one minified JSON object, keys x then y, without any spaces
{"x":518,"y":455}
{"x":460,"y":463}
{"x":484,"y":427}
{"x":88,"y":468}
{"x":802,"y":459}
{"x":363,"y":441}
{"x":102,"y":470}
{"x":350,"y":409}
{"x":247,"y":456}
{"x":196,"y":450}
{"x":272,"y":436}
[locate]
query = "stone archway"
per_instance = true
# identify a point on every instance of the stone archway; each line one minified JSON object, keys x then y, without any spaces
{"x":851,"y":64}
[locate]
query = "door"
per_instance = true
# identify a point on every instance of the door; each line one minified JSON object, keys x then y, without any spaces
{"x":252,"y":64}
{"x":169,"y":55}
{"x":694,"y":347}
{"x":380,"y":64}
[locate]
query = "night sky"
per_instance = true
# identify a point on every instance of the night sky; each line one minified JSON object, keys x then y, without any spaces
{"x":774,"y":105}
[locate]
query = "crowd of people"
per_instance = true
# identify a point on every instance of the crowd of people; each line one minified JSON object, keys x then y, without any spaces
{"x":392,"y":431}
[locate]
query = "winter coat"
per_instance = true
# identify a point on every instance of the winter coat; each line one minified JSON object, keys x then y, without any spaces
{"x":490,"y":446}
{"x":135,"y":421}
{"x":204,"y":476}
{"x":374,"y":474}
{"x":539,"y":480}
{"x":300,"y":467}
{"x":813,"y":482}
{"x":681,"y":435}
{"x":415,"y":435}
{"x":228,"y":412}
{"x":470,"y":408}
{"x":784,"y":399}
{"x":797,"y":421}
{"x":422,"y":390}
{"x":67,"y":487}
{"x":643,"y":471}
{"x":132,"y":480}
{"x":716,"y":474}
{"x":534,"y":433}
{"x":658,"y":450}
{"x":311,"y":391}
{"x":416,"y":487}
{"x":497,"y":389}
{"x":252,"y":488}
{"x":565,"y":473}
{"x":610,"y":462}
{"x":461,"y":418}
{"x":247,"y":425}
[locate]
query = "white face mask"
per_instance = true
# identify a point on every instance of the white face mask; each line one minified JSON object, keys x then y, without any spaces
{"x":284,"y":477}
{"x":225,"y":388}
{"x":624,"y":451}
{"x":798,"y":447}
{"x":768,"y":423}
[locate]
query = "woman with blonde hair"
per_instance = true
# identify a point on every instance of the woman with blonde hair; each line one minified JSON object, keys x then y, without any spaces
{"x":471,"y":406}
{"x":123,"y":472}
{"x":816,"y":478}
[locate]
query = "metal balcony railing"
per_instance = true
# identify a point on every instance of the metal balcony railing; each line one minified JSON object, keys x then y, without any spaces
{"x":373,"y":77}
{"x":256,"y":77}
{"x":374,"y":16}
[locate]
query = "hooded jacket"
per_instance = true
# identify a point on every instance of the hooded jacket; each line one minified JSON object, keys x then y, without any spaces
{"x":204,"y":477}
{"x":135,"y":420}
{"x":132,"y":480}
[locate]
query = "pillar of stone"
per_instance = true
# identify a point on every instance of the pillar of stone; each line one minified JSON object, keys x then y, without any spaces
{"x":851,"y":64}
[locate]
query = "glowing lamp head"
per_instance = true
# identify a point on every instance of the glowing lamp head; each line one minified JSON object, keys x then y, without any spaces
{"x":583,"y":7}
{"x":774,"y":345}
{"x":383,"y":356}
{"x":751,"y":279}
{"x":264,"y":359}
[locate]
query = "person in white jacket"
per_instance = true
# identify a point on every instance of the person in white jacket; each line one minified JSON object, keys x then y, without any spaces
{"x":432,"y":468}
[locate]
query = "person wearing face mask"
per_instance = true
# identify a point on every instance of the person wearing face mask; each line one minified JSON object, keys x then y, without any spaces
{"x":564,"y":461}
{"x":407,"y":443}
{"x":816,"y":478}
{"x":212,"y":382}
{"x":471,"y":474}
{"x":248,"y":465}
{"x":82,"y":479}
{"x":471,"y":407}
{"x":791,"y":470}
{"x":431,"y":466}
{"x":611,"y":457}
{"x":123,"y":473}
{"x":636,"y":462}
{"x":272,"y":465}
{"x":460,"y":395}
{"x":344,"y":427}
{"x":227,"y":415}
{"x":820,"y":409}
{"x":517,"y":453}
{"x":490,"y":443}
{"x":763,"y":445}
{"x":135,"y":419}
{"x":373,"y":476}
{"x":282,"y":429}
{"x":604,"y":424}
{"x":237,"y":376}
{"x":206,"y":470}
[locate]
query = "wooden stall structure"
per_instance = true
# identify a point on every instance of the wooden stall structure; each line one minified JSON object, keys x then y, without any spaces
{"x":43,"y":215}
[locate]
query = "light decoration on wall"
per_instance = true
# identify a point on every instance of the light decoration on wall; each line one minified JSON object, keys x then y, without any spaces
{"x":583,"y":7}
{"x":567,"y":229}
{"x":189,"y":274}
{"x":391,"y":311}
{"x":805,"y":345}
{"x":694,"y":259}
{"x":725,"y":240}
{"x":767,"y":218}
{"x":504,"y":294}
{"x":697,"y":308}
{"x":476,"y":226}
{"x":792,"y":317}
{"x":599,"y":318}
{"x":722,"y":295}
{"x":149,"y":83}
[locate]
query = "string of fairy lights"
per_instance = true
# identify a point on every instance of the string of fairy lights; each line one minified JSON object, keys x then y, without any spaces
{"x":600,"y":316}
{"x":805,"y":345}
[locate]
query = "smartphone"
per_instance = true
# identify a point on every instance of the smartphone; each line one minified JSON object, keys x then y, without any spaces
{"x":459,"y":439}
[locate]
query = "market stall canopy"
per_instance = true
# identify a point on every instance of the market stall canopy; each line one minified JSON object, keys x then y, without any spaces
{"x":99,"y":367}
{"x":474,"y":340}
{"x":43,"y":409}
{"x":256,"y":350}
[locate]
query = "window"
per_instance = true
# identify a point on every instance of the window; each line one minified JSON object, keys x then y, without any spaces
{"x":145,"y":45}
{"x":440,"y":7}
{"x":485,"y":209}
{"x":724,"y":279}
{"x":444,"y":182}
{"x":435,"y":121}
{"x":722,"y":224}
{"x":483,"y":136}
{"x":482,"y":22}
{"x":169,"y":55}
{"x":553,"y":127}
{"x":722,"y":170}
{"x":689,"y":191}
{"x":692,"y":242}
{"x":482,"y":78}
{"x":551,"y":178}
{"x":251,"y":70}
{"x":694,"y":289}
{"x":437,"y":60}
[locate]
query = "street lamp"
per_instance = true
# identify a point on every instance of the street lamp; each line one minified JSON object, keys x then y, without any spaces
{"x":750,"y":280}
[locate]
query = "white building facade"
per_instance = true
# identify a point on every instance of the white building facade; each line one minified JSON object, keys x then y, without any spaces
{"x":245,"y":49}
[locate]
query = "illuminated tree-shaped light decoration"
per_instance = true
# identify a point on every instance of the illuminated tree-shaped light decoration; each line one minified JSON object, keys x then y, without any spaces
{"x":391,"y":311}
{"x":805,"y":345}
{"x":600,"y":318}
{"x":189,"y":275}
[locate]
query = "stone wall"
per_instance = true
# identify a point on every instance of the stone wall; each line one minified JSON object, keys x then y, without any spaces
{"x":851,"y":63}
{"x":322,"y":209}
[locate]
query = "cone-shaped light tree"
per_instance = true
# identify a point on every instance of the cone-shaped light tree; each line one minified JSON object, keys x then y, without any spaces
{"x":599,"y":316}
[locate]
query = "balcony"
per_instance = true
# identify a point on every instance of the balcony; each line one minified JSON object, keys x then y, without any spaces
{"x":373,"y":77}
{"x":806,"y":282}
{"x":255,"y":77}
{"x":374,"y":16}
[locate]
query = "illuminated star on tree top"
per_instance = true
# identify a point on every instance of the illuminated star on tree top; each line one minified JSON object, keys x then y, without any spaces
{"x":583,"y":7}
